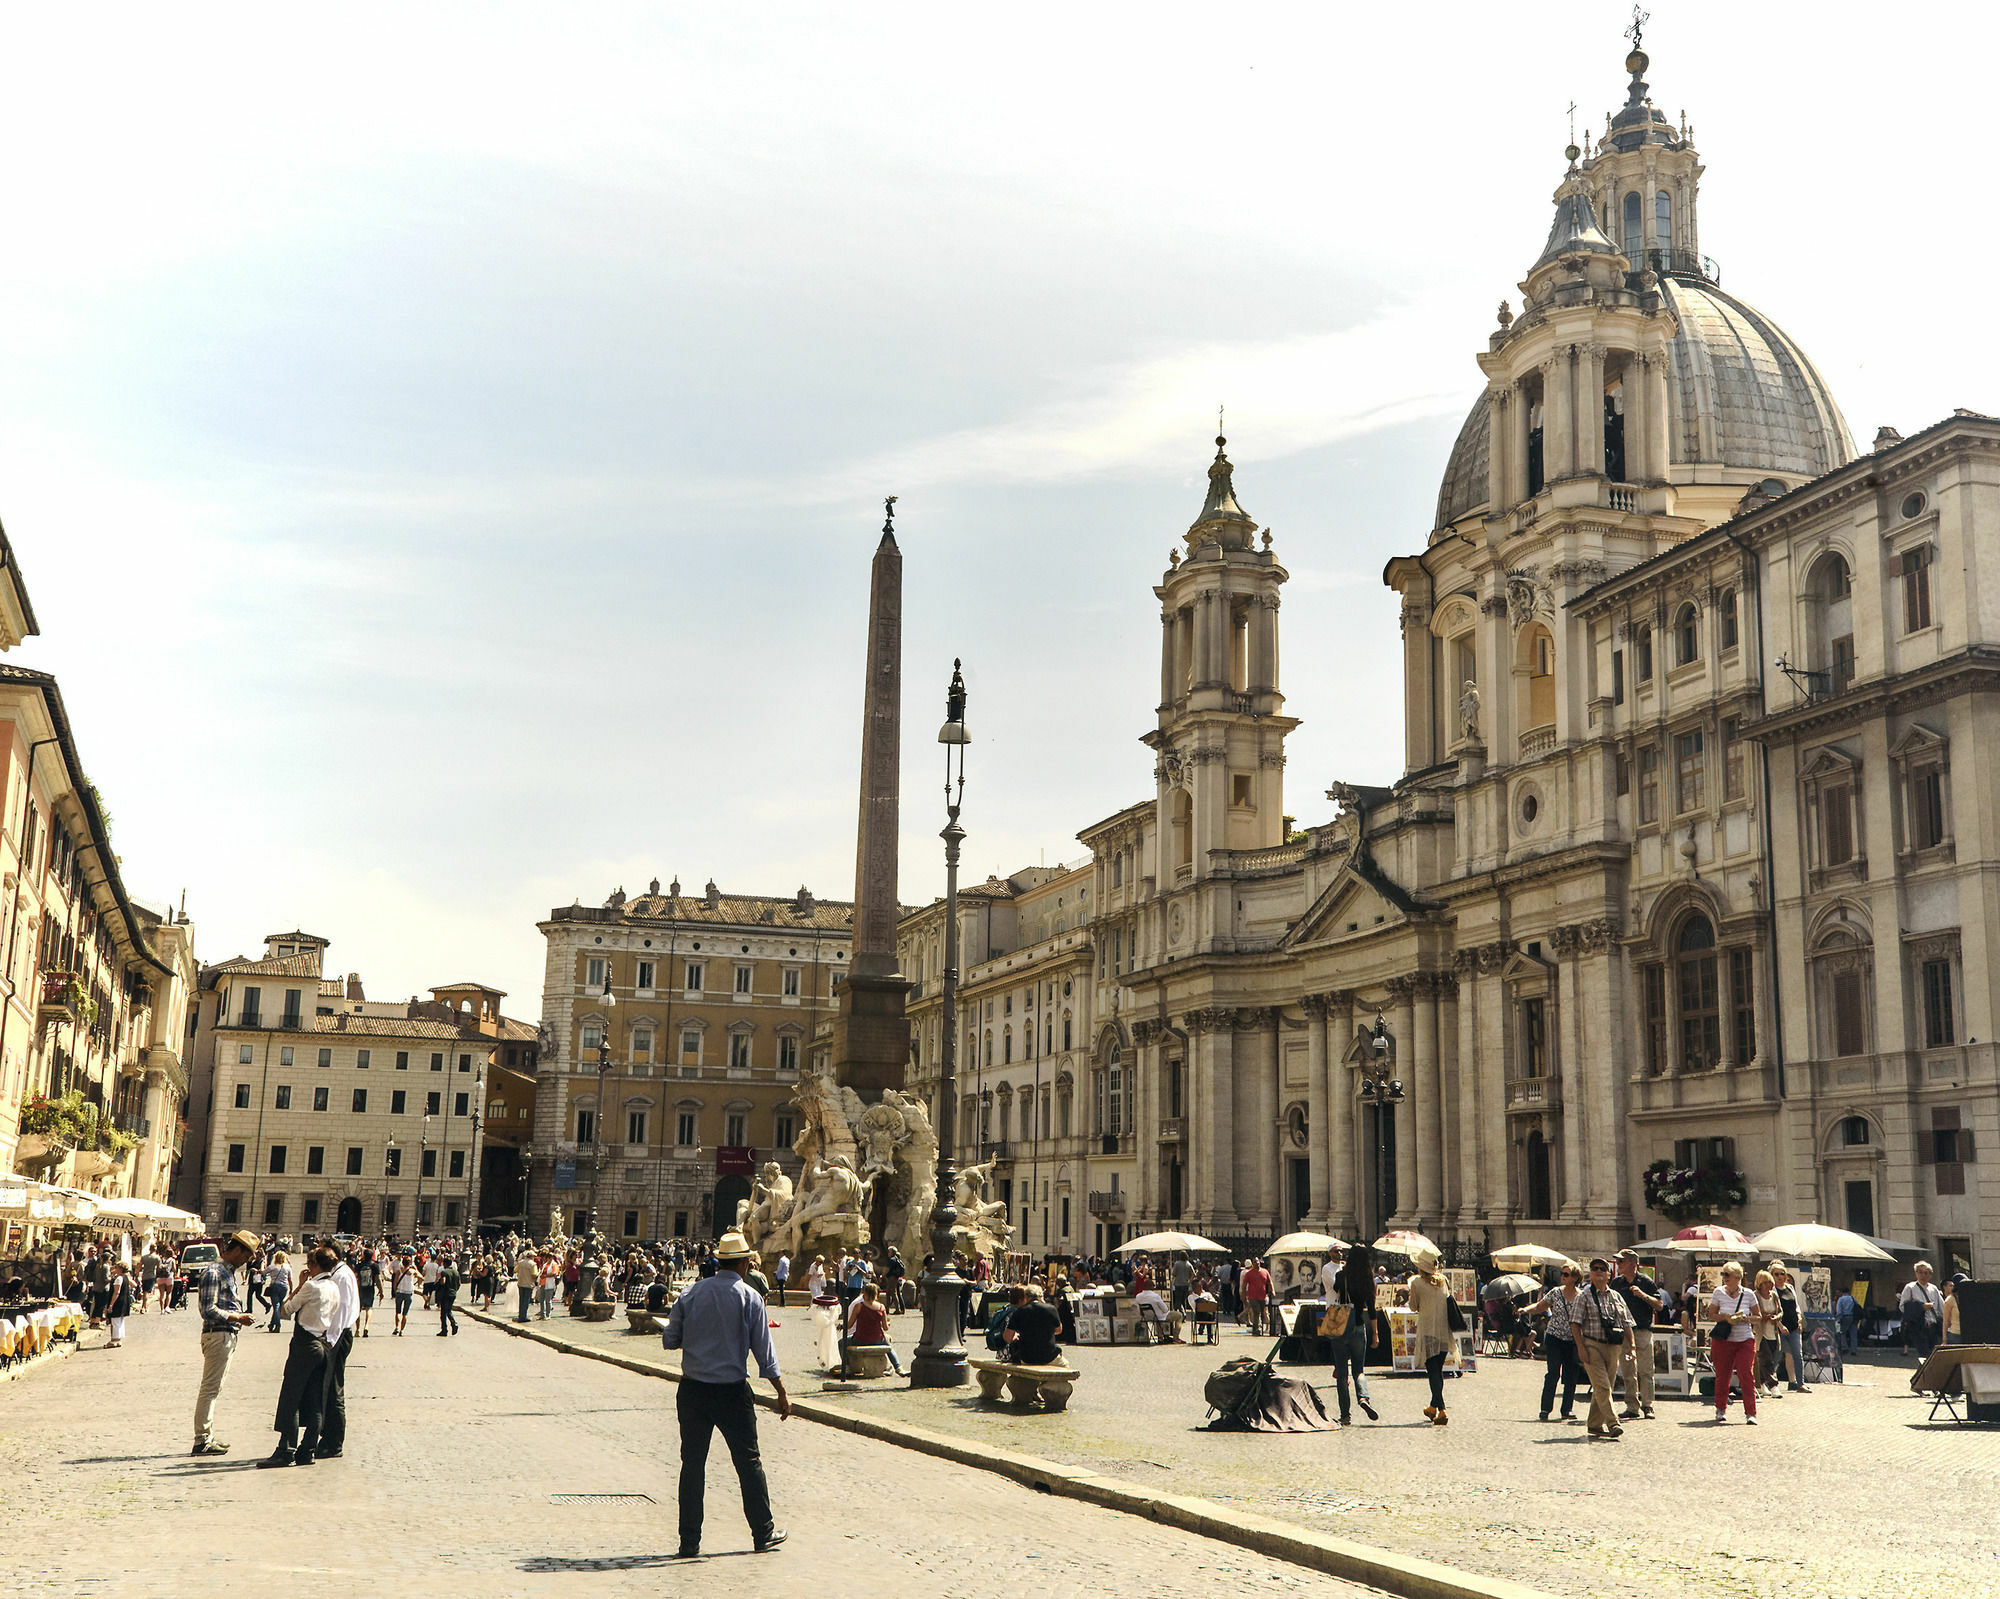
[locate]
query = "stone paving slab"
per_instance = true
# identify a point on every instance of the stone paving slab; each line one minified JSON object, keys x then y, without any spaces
{"x":454,"y":1448}
{"x":1845,"y":1490}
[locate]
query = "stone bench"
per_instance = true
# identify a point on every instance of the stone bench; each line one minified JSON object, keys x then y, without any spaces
{"x":1025,"y":1384}
{"x":867,"y":1360}
{"x":598,"y":1310}
{"x":641,"y":1320}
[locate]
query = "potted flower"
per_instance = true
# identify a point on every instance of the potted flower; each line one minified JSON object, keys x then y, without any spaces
{"x":1685,"y":1194}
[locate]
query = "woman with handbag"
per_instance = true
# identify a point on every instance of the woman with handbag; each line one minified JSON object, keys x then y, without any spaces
{"x":1732,"y":1344}
{"x":1559,"y":1341}
{"x":1430,"y":1298}
{"x":1769,"y":1315}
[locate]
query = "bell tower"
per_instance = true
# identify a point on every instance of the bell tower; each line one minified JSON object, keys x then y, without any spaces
{"x":1220,"y":742}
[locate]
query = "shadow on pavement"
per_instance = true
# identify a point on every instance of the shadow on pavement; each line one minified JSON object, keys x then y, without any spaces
{"x":555,"y":1563}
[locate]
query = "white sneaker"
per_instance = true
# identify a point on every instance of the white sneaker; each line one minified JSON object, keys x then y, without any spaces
{"x":1749,"y":1421}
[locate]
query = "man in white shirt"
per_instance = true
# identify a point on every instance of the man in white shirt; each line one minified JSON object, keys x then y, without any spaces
{"x":312,"y":1305}
{"x":1329,"y":1269}
{"x":339,"y":1341}
{"x":1922,"y":1306}
{"x":1155,"y":1309}
{"x":432,"y":1270}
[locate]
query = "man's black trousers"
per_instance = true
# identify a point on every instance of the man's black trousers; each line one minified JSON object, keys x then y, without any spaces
{"x":706,"y":1408}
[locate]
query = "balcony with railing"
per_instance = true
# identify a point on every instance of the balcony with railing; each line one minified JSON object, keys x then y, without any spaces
{"x":1107,"y":1204}
{"x":1531,"y":1094}
{"x":130,"y":1121}
{"x":1538,"y":741}
{"x":994,"y":1149}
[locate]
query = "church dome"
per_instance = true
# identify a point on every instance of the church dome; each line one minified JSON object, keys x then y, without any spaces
{"x":1744,"y":397}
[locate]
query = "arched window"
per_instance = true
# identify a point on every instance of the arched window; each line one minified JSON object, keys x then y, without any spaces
{"x":1663,"y":224}
{"x":1830,"y":590}
{"x":1700,"y":997}
{"x":1687,"y":637}
{"x":1635,"y":227}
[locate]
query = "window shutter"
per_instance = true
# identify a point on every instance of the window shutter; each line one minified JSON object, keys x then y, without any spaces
{"x":1926,"y":1149}
{"x":1965,"y":1145}
{"x":1728,"y":1148}
{"x":1944,"y":1117}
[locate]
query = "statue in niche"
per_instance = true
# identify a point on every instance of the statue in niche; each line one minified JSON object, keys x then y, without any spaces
{"x":1468,"y":709}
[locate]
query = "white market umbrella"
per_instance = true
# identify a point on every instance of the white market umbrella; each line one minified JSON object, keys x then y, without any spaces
{"x":1710,"y":1238}
{"x":1167,"y":1243}
{"x":1403,"y":1243}
{"x":1526,"y":1257}
{"x":1305,"y":1244}
{"x":1811,"y":1241}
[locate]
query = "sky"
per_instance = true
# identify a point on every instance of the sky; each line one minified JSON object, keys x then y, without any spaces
{"x":444,"y":446}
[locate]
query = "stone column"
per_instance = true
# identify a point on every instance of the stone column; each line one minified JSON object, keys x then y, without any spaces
{"x":1210,"y":1122}
{"x":1222,"y":647}
{"x":1203,"y":638}
{"x":1661,"y":416}
{"x":1450,"y":1116}
{"x":1319,"y":1122}
{"x":1638,"y":408}
{"x":1420,"y":650}
{"x":1609,"y":1087}
{"x":1426,"y":1100}
{"x":1559,"y":427}
{"x":1500,"y":411}
{"x":1590,"y":408}
{"x":1346,"y":1178}
{"x":1491,"y":1024}
{"x":146,"y":1158}
{"x":1472,"y":1192}
{"x":1167,"y":631}
{"x":1403,"y":995}
{"x":1567,"y":1037}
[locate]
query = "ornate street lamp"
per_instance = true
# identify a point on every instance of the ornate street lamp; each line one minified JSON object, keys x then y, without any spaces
{"x":423,"y":1153}
{"x":1382,"y":1091}
{"x":472,"y":1156}
{"x":388,"y":1160}
{"x":939,"y":1359}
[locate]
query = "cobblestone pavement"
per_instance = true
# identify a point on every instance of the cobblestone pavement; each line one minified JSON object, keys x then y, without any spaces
{"x":1845,"y":1490}
{"x":454,"y":1448}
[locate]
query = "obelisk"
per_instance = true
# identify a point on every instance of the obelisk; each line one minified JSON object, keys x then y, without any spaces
{"x":871,"y":1038}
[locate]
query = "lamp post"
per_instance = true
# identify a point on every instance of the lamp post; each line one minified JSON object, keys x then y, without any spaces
{"x":939,"y":1359}
{"x":597,"y":1151}
{"x":423,"y":1154}
{"x":472,"y":1157}
{"x":1382,"y":1091}
{"x":388,"y":1161}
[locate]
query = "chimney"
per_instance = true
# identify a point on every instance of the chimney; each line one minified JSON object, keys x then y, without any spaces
{"x":714,"y":896}
{"x":354,"y":986}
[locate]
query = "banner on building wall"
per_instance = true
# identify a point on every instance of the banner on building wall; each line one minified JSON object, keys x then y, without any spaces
{"x":565,"y":1174}
{"x":735,"y":1160}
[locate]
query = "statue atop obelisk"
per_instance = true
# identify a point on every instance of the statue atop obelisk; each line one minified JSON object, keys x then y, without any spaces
{"x":871,"y":1037}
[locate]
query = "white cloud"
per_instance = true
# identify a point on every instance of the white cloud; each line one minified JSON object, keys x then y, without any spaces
{"x":1291,"y":394}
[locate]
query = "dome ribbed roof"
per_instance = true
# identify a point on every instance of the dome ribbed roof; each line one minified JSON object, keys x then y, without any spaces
{"x":1744,"y":396}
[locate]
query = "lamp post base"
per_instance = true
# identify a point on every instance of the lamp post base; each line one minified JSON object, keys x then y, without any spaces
{"x":939,"y":1358}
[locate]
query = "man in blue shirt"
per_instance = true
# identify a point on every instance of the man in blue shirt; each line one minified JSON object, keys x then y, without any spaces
{"x":221,"y":1297}
{"x":718,"y":1325}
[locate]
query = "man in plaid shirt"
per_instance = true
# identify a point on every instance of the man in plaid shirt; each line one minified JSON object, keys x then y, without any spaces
{"x":1603,"y":1338}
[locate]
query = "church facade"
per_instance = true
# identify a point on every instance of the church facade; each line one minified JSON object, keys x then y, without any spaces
{"x":1681,"y":875}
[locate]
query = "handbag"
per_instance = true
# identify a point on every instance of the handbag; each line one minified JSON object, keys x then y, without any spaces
{"x":1333,"y":1323}
{"x":1454,"y":1314}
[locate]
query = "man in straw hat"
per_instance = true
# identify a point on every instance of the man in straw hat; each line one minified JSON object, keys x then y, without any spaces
{"x":718,"y":1324}
{"x":221,"y":1294}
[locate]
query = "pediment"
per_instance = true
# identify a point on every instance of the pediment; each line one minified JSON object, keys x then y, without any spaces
{"x":1830,"y":760}
{"x":1917,"y":741}
{"x":1348,"y":899}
